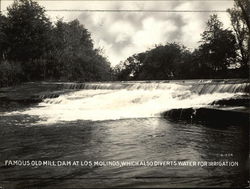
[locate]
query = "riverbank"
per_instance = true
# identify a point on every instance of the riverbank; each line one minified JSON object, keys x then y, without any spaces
{"x":21,"y":96}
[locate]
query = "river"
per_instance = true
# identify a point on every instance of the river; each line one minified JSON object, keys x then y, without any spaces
{"x":110,"y":124}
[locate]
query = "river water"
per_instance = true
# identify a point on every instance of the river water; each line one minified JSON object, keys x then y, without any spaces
{"x":110,"y":125}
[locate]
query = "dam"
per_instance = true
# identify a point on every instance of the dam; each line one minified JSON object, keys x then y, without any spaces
{"x":133,"y":121}
{"x":122,"y":100}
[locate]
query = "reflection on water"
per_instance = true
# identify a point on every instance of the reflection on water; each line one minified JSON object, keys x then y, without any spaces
{"x":129,"y":140}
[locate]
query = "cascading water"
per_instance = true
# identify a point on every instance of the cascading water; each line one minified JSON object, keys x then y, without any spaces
{"x":111,"y":101}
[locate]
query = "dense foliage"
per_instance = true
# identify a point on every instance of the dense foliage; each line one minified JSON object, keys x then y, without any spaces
{"x":32,"y":48}
{"x":240,"y":15}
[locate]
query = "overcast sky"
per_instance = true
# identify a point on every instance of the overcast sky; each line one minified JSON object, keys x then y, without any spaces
{"x":122,"y":34}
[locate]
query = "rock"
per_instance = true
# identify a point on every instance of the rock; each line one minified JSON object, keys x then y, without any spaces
{"x":211,"y":116}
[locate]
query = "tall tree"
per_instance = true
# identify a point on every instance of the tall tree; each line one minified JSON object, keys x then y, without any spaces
{"x":74,"y":54}
{"x":240,"y":21}
{"x":244,"y":5}
{"x":218,"y":45}
{"x":27,"y":30}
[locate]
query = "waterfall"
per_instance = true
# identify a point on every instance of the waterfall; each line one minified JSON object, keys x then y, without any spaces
{"x":200,"y":86}
{"x":124,"y":100}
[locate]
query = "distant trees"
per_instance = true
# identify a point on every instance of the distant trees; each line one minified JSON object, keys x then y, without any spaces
{"x":162,"y":62}
{"x":39,"y":50}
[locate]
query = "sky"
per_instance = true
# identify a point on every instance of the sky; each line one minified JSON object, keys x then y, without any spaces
{"x":123,"y":28}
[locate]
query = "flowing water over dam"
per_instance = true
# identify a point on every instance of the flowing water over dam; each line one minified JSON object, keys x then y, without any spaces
{"x":122,"y":121}
{"x":112,"y":101}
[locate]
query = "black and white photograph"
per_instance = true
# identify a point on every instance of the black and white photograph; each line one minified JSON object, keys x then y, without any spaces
{"x":124,"y":94}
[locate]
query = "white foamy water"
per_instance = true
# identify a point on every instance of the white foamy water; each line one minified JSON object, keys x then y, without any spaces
{"x":136,"y":102}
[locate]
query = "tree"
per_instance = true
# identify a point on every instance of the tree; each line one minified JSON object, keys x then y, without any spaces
{"x":130,"y":68}
{"x":161,"y":62}
{"x":218,"y":45}
{"x":31,"y":46}
{"x":244,"y":5}
{"x":3,"y":41}
{"x":27,"y":30}
{"x":74,"y":57}
{"x":240,"y":23}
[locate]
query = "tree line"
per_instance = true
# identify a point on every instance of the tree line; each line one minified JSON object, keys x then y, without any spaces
{"x":222,"y":53}
{"x":32,"y":48}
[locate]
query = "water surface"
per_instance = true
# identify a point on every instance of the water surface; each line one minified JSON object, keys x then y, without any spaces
{"x":121,"y":125}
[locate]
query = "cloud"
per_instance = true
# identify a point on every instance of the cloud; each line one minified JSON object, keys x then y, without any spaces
{"x":122,"y":34}
{"x":127,"y":33}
